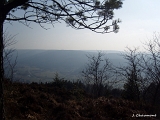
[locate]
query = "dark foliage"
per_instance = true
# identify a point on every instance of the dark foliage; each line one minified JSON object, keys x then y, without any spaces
{"x":46,"y":101}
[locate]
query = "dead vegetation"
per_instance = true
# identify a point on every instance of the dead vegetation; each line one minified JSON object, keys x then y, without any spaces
{"x":47,"y":102}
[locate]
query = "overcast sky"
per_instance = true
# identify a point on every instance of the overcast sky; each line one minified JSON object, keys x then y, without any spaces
{"x":140,"y":19}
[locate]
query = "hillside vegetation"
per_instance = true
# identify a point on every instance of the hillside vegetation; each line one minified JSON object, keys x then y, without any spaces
{"x":54,"y":101}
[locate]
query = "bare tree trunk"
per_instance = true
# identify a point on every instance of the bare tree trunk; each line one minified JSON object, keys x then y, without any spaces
{"x":155,"y":94}
{"x":2,"y":16}
{"x":2,"y":72}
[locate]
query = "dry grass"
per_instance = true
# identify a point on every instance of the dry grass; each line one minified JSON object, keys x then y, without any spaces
{"x":42,"y":102}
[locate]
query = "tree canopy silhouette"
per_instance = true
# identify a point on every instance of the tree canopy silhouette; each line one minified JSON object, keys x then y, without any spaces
{"x":79,"y":14}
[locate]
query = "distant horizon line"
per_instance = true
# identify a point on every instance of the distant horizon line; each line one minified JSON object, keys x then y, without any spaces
{"x":69,"y":50}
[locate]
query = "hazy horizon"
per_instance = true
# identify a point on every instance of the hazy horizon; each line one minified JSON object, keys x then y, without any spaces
{"x":68,"y":49}
{"x":43,"y":64}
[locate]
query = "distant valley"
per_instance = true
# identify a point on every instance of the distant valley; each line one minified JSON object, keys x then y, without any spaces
{"x":41,"y":65}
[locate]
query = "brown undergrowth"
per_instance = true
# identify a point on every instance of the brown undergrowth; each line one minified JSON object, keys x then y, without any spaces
{"x":46,"y":102}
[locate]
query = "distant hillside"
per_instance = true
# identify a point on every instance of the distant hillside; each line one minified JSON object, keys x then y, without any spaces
{"x":43,"y":64}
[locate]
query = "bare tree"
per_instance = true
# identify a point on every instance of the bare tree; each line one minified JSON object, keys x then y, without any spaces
{"x":132,"y":74}
{"x":10,"y":61}
{"x":97,"y":72}
{"x":151,"y":65}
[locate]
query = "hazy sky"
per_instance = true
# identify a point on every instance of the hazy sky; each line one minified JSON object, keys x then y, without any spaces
{"x":140,"y":19}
